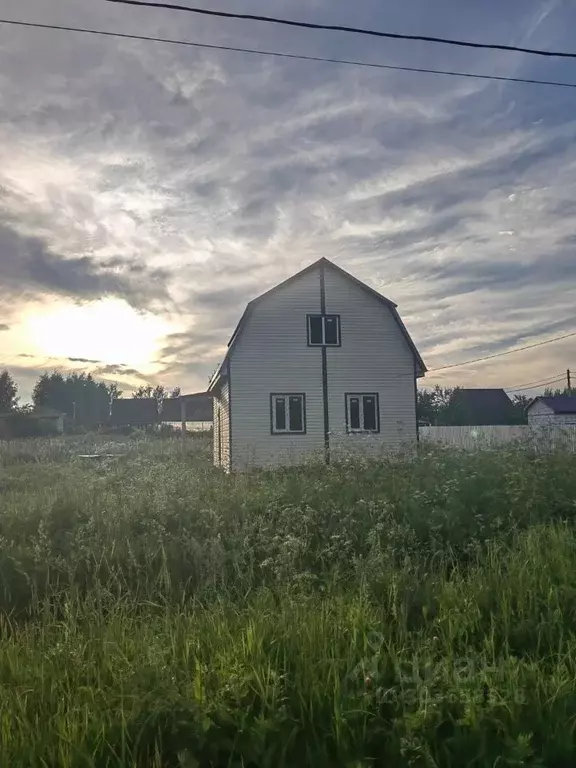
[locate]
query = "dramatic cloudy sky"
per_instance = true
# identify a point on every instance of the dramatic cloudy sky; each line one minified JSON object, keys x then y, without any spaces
{"x":147,"y":192}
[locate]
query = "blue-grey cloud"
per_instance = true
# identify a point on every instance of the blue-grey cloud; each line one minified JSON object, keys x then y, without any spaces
{"x":30,"y":264}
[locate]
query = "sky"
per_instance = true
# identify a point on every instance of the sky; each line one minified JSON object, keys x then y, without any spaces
{"x":148,"y":192}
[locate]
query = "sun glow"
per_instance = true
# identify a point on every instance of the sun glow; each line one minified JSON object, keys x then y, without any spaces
{"x":108,"y":331}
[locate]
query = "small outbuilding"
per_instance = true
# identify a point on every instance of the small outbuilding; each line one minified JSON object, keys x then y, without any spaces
{"x":554,"y":411}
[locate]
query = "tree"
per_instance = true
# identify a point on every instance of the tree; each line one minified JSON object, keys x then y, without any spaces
{"x":143,"y":391}
{"x":8,"y":392}
{"x":520,"y":402}
{"x":114,"y":392}
{"x":436,"y":405}
{"x":85,"y":401}
{"x":557,"y":392}
{"x":159,"y":392}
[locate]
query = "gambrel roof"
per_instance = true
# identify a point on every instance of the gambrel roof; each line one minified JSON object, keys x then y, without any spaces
{"x":251,"y":306}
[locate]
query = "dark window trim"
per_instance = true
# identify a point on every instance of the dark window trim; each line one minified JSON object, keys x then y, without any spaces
{"x":375,"y":395}
{"x":323,"y":315}
{"x":287,"y":394}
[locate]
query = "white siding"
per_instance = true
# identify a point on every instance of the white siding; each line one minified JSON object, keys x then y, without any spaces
{"x":540,"y":413}
{"x":374,"y":357}
{"x":221,"y":428}
{"x":271,"y":356}
{"x":544,"y":437}
{"x":216,"y":416}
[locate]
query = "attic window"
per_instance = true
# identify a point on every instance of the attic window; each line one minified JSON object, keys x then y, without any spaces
{"x":362,"y":412}
{"x":323,"y":330}
{"x":288,"y":414}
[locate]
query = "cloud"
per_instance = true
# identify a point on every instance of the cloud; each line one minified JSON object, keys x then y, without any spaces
{"x":189,"y":181}
{"x":118,"y":370}
{"x":29,"y":265}
{"x":82,"y":360}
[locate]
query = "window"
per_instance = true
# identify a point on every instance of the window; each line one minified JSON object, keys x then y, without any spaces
{"x":288,"y":414}
{"x":362,"y":413}
{"x":323,"y":330}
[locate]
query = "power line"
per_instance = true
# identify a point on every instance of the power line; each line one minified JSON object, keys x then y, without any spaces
{"x":501,"y":354}
{"x":535,"y":383}
{"x":282,"y":55}
{"x":526,"y":389}
{"x":338,"y":28}
{"x":536,"y":386}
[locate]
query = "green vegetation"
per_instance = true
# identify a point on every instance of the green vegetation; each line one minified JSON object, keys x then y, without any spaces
{"x":415,"y":612}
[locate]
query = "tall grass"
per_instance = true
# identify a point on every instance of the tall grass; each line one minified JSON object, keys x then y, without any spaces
{"x":409,"y":612}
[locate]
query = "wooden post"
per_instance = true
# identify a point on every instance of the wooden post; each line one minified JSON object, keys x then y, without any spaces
{"x":183,"y":419}
{"x":568,"y":382}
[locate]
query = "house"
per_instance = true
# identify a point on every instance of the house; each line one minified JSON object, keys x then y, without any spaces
{"x":31,"y":422}
{"x":478,"y":407}
{"x":319,"y":365}
{"x":558,"y":411}
{"x":51,"y":420}
{"x":134,"y":412}
{"x":198,"y":408}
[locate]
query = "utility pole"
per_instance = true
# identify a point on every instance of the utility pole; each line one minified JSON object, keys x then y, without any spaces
{"x":568,"y":384}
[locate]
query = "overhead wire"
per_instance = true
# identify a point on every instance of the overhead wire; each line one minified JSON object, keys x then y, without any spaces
{"x":283,"y":55}
{"x":341,"y":28}
{"x":537,"y":382}
{"x":535,"y":386}
{"x":502,"y":354}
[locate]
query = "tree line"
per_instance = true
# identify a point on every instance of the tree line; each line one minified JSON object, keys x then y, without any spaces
{"x":83,"y":399}
{"x":86,"y":402}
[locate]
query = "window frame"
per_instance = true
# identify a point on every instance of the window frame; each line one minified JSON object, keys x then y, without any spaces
{"x":286,"y":396}
{"x":323,"y":316}
{"x":362,"y":430}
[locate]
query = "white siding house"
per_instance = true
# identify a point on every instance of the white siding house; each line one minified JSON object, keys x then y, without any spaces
{"x":556,"y":411}
{"x":318,"y":366}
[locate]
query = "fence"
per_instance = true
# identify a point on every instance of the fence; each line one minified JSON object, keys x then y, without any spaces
{"x":469,"y":438}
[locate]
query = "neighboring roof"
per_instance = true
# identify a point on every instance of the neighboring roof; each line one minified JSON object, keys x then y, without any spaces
{"x":44,"y":412}
{"x":198,"y":407}
{"x":38,"y":413}
{"x":321,"y":262}
{"x":559,"y":403}
{"x":477,"y":407}
{"x":138,"y":410}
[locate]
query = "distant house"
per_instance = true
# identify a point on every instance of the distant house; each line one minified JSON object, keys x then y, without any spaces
{"x":479,"y":407}
{"x":134,"y":412}
{"x":558,"y":411}
{"x":319,"y":363}
{"x":197,"y":408}
{"x":31,"y":422}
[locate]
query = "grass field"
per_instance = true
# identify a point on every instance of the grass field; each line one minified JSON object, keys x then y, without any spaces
{"x":154,"y":612}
